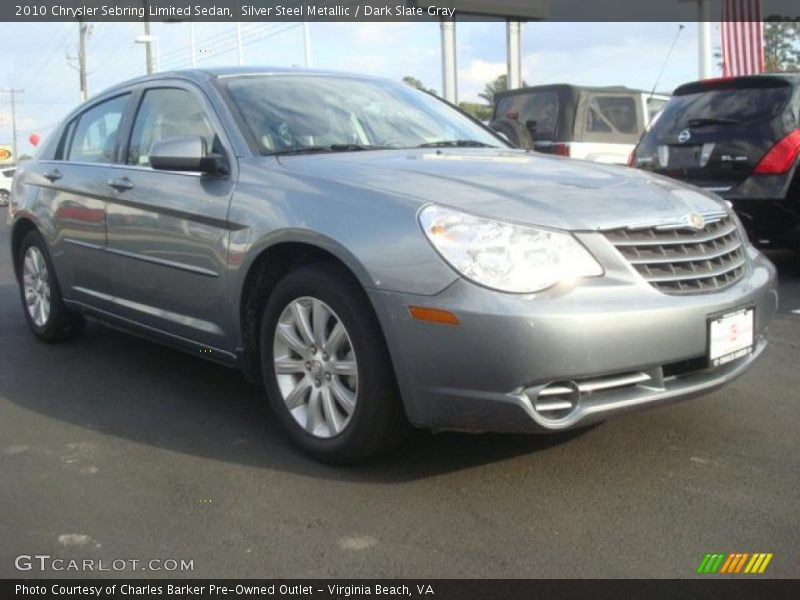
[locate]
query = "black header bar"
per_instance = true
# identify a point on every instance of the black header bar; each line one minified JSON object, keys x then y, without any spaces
{"x":372,"y":10}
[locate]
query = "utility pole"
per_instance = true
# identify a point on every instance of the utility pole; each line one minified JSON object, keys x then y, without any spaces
{"x":148,"y":46}
{"x":13,"y":93}
{"x":83,"y":29}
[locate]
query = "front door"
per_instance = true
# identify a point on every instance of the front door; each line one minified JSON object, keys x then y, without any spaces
{"x":167,"y":231}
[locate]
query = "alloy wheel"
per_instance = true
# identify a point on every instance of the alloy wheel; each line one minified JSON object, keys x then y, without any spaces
{"x":315,"y":367}
{"x":36,"y":281}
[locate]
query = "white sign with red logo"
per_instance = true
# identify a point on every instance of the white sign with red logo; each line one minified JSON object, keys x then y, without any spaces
{"x":731,"y":336}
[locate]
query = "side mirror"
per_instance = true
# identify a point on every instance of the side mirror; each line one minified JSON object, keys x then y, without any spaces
{"x":185,"y":154}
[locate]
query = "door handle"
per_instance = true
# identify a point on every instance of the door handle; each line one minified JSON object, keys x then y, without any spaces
{"x":53,"y":175}
{"x":122,"y":184}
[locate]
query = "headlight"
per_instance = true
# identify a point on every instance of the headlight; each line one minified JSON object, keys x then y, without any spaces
{"x":504,"y":256}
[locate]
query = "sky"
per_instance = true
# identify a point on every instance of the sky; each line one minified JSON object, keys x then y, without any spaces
{"x":35,"y":56}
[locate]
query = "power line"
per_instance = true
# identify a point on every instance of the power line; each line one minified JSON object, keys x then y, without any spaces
{"x":35,"y":68}
{"x":254,"y":38}
{"x":222,"y":35}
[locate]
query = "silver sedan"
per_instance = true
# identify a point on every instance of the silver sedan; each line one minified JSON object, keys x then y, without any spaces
{"x":377,"y":259}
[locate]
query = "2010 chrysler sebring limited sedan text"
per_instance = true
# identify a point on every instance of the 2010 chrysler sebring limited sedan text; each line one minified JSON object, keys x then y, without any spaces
{"x":377,"y":258}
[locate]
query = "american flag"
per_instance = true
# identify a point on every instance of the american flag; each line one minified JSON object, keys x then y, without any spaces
{"x":742,"y":38}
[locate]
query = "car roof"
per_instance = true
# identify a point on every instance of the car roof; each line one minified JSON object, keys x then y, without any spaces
{"x":702,"y":85}
{"x":568,"y":87}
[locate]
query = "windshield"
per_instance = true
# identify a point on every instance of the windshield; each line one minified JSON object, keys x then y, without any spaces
{"x":286,"y":113}
{"x":722,"y":106}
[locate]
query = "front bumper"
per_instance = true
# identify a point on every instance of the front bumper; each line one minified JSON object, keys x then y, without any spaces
{"x":616,"y":341}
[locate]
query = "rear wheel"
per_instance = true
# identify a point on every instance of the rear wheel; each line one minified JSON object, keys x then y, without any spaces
{"x":45,"y":312}
{"x":326,"y":369}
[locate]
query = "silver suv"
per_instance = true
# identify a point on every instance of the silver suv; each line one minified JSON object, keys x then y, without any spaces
{"x":377,"y":259}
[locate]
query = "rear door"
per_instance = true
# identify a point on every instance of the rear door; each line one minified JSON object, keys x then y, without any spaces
{"x":713,"y":134}
{"x":167,"y":231}
{"x":74,"y":186}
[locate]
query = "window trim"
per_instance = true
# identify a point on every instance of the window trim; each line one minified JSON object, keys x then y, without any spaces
{"x":65,"y":139}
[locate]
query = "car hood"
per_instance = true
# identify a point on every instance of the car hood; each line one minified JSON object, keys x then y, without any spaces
{"x":513,"y":185}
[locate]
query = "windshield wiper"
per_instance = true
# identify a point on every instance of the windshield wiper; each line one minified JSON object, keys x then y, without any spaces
{"x":330,"y":148}
{"x":707,"y":121}
{"x":456,"y":144}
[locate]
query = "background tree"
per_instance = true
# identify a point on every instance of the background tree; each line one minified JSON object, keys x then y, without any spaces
{"x":781,"y":44}
{"x":416,"y":83}
{"x":477,"y":110}
{"x":497,"y":85}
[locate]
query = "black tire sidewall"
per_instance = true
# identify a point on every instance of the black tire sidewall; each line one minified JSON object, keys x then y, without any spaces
{"x":377,"y":401}
{"x":61,"y":323}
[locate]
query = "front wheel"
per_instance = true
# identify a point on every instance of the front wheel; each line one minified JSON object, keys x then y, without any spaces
{"x":326,"y":368}
{"x":45,"y":312}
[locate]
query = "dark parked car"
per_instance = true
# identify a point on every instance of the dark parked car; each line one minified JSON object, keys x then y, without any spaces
{"x":376,"y":258}
{"x":739,"y":138}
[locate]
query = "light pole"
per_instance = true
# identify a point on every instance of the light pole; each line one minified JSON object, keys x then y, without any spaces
{"x":449,"y":60}
{"x":704,"y":38}
{"x":149,"y":41}
{"x":238,"y":43}
{"x":192,"y":47}
{"x":307,"y":44}
{"x":514,"y":53}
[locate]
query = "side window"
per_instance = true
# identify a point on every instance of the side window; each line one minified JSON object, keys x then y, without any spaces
{"x":611,"y":114}
{"x":95,"y":135}
{"x":167,"y":113}
{"x":539,"y":106}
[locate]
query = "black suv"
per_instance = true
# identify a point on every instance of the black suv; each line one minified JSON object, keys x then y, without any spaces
{"x":740,"y":138}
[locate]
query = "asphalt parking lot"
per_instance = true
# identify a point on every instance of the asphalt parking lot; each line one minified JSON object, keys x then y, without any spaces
{"x":113,"y":447}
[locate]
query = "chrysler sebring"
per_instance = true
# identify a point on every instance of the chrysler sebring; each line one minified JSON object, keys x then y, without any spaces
{"x":378,"y":259}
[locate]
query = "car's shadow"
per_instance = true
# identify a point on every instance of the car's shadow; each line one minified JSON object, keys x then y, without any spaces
{"x":131,"y":388}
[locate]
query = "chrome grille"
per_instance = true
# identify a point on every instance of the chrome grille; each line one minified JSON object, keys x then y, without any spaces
{"x":682,"y":260}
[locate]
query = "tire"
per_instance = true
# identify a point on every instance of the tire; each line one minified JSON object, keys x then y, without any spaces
{"x":346,"y":407}
{"x":49,"y":320}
